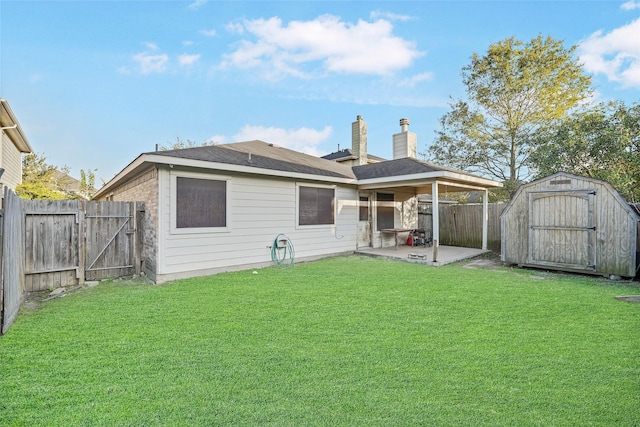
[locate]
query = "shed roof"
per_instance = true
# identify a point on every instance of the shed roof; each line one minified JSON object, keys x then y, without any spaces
{"x":559,"y":178}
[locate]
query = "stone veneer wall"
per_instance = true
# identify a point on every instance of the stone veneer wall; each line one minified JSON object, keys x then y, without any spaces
{"x":144,"y":188}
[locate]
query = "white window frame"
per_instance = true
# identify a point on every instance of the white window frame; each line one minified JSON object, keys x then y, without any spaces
{"x":173,"y":187}
{"x":335,"y":205}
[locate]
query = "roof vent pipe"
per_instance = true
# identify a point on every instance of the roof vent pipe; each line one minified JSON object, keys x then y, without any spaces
{"x":404,"y":124}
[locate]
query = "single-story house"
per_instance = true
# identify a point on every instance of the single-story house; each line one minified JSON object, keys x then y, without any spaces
{"x":14,"y":144}
{"x":219,"y":208}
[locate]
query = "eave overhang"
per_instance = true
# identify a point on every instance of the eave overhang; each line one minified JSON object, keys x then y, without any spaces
{"x":12,"y":128}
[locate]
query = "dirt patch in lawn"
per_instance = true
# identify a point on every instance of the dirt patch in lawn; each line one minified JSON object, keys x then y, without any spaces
{"x":629,"y":298}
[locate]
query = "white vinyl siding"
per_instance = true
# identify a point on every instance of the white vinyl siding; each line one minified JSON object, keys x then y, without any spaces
{"x":259,"y":208}
{"x":11,"y":161}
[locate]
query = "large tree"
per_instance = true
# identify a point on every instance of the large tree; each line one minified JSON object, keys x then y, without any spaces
{"x":38,"y":179}
{"x":602,"y":142}
{"x":516,"y":92}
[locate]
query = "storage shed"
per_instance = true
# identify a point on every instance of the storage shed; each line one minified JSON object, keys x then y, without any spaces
{"x":571,"y":223}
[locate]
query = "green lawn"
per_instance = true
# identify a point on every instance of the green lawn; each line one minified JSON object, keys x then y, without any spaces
{"x":342,"y":341}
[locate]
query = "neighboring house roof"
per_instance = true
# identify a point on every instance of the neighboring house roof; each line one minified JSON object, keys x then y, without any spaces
{"x":68,"y":184}
{"x":12,"y":128}
{"x":347,"y":154}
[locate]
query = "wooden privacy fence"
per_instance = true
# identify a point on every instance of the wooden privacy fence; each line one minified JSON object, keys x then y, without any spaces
{"x":70,"y":241}
{"x":11,"y":260}
{"x":48,"y":244}
{"x":461,"y":225}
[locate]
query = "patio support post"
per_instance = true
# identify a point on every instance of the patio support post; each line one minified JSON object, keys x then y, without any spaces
{"x":485,"y":218}
{"x":436,"y":220}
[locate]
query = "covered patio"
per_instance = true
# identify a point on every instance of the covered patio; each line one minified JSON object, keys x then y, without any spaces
{"x":406,"y":179}
{"x":423,"y":255}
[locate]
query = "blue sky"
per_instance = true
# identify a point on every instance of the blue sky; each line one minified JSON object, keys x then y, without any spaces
{"x":95,"y":83}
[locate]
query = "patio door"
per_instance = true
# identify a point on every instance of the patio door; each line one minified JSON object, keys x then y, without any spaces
{"x":364,"y":221}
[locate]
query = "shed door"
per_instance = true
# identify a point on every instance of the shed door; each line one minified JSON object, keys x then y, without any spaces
{"x":562,"y":229}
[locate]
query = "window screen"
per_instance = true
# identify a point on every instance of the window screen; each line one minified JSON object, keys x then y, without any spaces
{"x":385,"y":211}
{"x":200,"y":203}
{"x":364,"y":208}
{"x":316,"y":205}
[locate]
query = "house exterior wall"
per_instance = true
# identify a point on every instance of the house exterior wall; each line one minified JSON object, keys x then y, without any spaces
{"x":11,"y":161}
{"x":143,"y":188}
{"x":616,"y":224}
{"x":405,"y":216}
{"x":259,"y":209}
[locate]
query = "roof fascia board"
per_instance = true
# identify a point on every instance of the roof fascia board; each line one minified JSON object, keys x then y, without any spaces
{"x":122,"y":174}
{"x":480,"y":183}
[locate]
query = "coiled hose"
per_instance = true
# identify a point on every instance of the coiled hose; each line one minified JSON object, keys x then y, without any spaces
{"x":282,"y":252}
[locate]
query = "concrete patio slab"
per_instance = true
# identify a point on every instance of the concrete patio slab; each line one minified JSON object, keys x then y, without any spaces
{"x":423,"y":255}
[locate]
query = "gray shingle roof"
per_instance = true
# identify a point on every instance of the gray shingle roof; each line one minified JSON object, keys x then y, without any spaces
{"x":405,"y":166}
{"x":263,"y":156}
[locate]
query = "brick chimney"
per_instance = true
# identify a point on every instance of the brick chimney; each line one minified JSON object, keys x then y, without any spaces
{"x":359,"y":140}
{"x":404,"y":143}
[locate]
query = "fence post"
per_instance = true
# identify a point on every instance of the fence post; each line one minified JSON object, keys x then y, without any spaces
{"x":485,"y":219}
{"x":81,"y":242}
{"x":135,"y":244}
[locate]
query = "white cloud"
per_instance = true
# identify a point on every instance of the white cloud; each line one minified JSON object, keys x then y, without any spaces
{"x":616,"y":54}
{"x":35,"y":78}
{"x":414,"y":80}
{"x":208,"y":33}
{"x":196,"y":4}
{"x":186,"y":59}
{"x":378,"y":14}
{"x":187,"y":43}
{"x":234,"y":27}
{"x":630,"y":5}
{"x":151,"y":46}
{"x":149,"y":63}
{"x":217,"y":139}
{"x":305,"y":140}
{"x":340,"y":47}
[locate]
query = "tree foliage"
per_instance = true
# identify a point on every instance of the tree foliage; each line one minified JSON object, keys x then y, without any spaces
{"x":516,"y":92}
{"x":88,"y":183}
{"x":180,"y":144}
{"x":43,"y":181}
{"x":38,"y":179}
{"x":602,"y":143}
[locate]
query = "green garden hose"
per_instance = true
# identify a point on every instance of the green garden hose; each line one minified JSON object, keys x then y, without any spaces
{"x":282,"y":252}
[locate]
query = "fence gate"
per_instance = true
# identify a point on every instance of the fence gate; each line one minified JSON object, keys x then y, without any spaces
{"x":110,"y":239}
{"x":69,"y":241}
